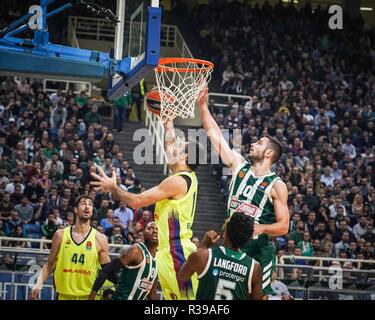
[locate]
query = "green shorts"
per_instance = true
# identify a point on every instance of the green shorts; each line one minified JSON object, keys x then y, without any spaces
{"x":265,"y":254}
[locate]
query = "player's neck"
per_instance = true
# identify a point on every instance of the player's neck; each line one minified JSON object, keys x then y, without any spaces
{"x":179,"y":167}
{"x":227,"y":244}
{"x":261,"y":168}
{"x":151,"y":248}
{"x":81,"y":226}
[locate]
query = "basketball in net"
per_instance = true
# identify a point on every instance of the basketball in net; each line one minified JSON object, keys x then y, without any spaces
{"x":179,"y":82}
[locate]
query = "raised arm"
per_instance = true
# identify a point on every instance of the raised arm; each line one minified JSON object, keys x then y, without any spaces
{"x":50,"y":266}
{"x":169,"y":136}
{"x":172,"y":187}
{"x":231,"y":158}
{"x":279,"y":193}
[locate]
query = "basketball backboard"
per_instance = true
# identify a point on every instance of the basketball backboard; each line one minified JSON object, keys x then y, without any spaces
{"x":137,"y":42}
{"x":38,"y":56}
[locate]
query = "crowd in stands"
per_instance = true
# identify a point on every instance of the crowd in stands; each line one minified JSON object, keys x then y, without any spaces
{"x":314,"y":90}
{"x":49,"y":143}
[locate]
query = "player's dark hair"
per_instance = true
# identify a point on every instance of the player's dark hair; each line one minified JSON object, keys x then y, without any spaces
{"x":195,"y":151}
{"x":240,"y":228}
{"x":276,"y":147}
{"x":77,"y":201}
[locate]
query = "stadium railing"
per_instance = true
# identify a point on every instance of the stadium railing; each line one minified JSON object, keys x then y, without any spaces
{"x":334,"y":283}
{"x":16,"y":284}
{"x":321,"y":260}
{"x":52,"y":85}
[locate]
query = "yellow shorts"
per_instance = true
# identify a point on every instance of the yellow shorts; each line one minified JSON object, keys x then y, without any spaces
{"x":70,"y":297}
{"x":169,"y":262}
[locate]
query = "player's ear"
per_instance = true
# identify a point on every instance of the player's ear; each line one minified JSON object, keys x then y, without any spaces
{"x":269,"y":153}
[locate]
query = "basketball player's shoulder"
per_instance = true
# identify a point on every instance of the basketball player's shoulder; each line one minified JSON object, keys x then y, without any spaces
{"x":58,"y":237}
{"x":100,"y":237}
{"x":279,"y":188}
{"x":59,"y":234}
{"x":175,"y":182}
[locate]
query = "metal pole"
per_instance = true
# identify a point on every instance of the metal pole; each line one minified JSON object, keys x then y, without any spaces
{"x":119,"y":33}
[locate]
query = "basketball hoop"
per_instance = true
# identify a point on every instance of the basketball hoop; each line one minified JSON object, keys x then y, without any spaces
{"x":179,"y":82}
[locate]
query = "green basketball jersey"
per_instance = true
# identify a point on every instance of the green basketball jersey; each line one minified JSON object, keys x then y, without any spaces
{"x":136,"y":282}
{"x":227,"y":275}
{"x":251,"y":194}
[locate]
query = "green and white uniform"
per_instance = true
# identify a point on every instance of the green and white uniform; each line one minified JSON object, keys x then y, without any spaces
{"x":227,"y":275}
{"x":251,"y":194}
{"x":136,"y":282}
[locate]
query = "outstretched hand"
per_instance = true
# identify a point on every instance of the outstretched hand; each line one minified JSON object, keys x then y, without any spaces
{"x":104,"y":183}
{"x":203,"y":97}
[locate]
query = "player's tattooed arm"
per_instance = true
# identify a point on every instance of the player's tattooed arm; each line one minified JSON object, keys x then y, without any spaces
{"x":256,"y":283}
{"x":49,"y":267}
{"x":279,"y":193}
{"x":231,"y":158}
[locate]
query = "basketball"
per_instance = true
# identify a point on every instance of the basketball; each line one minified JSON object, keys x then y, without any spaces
{"x":153,"y":101}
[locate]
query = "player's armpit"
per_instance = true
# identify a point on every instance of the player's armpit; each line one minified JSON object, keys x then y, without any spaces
{"x":256,"y":283}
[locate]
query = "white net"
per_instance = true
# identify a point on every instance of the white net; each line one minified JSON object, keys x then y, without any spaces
{"x":179,"y":83}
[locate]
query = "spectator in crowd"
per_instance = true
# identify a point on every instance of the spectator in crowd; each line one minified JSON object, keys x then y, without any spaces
{"x":6,"y":206}
{"x":48,"y":229}
{"x":360,"y":228}
{"x":122,"y":108}
{"x":25,"y":210}
{"x":146,"y":218}
{"x":343,"y":244}
{"x":18,"y":233}
{"x":107,"y":222}
{"x":125,"y":215}
{"x":305,"y":245}
{"x":2,"y":229}
{"x":369,"y":235}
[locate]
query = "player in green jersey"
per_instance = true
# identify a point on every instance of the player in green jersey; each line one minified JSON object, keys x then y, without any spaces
{"x":254,"y":189}
{"x":225,"y":272}
{"x":138,"y":270}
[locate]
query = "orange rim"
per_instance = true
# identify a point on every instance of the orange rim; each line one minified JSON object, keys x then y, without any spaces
{"x":164,"y":62}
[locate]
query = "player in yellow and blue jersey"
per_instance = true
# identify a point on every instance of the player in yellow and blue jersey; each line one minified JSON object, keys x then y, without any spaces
{"x":176,"y":199}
